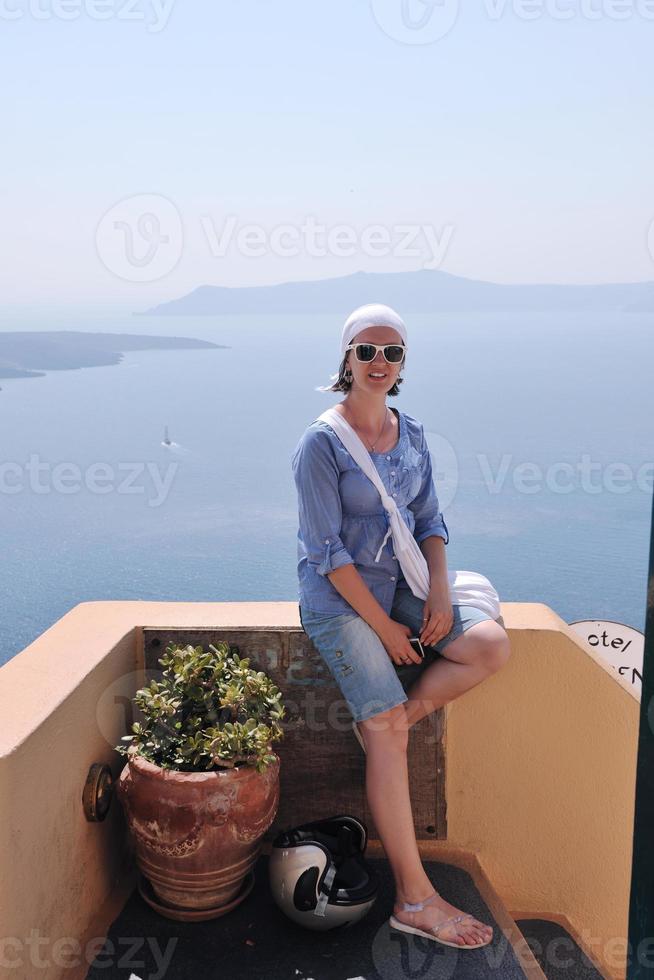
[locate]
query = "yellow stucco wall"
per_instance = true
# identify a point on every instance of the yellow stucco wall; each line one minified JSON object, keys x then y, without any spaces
{"x":540,"y":779}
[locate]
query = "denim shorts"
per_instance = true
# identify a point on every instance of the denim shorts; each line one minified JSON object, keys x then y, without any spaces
{"x":368,"y":679}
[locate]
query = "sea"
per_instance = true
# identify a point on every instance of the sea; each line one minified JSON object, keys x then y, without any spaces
{"x":540,"y":428}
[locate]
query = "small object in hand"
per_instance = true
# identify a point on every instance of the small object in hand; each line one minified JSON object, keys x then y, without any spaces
{"x":417,"y":645}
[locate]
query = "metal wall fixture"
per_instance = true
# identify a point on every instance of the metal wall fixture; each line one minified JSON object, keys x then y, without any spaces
{"x":98,"y":792}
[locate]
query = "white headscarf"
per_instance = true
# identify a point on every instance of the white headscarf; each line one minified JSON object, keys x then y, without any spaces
{"x":371,"y":315}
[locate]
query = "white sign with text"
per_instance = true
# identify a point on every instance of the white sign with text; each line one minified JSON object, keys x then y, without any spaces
{"x":621,"y":646}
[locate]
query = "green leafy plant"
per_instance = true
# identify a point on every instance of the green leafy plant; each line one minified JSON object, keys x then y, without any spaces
{"x":210,"y":711}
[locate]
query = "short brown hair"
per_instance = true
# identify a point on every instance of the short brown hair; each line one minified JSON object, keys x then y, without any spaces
{"x":342,"y":383}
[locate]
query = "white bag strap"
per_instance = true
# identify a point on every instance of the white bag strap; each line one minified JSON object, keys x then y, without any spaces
{"x":412,"y":561}
{"x":354,"y":445}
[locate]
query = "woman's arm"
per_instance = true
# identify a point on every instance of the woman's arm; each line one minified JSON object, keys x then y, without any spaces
{"x":394,"y":636}
{"x":432,"y":536}
{"x":348,"y":582}
{"x":433,"y":548}
{"x":438,"y":605}
{"x":320,"y":515}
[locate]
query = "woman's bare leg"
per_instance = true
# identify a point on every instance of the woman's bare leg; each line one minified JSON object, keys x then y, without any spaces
{"x":478,"y":652}
{"x":387,"y":788}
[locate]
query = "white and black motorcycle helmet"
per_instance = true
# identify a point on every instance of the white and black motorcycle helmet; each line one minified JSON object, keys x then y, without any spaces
{"x":318,"y":875}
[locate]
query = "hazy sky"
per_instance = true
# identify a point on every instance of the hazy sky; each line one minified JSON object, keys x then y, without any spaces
{"x":509,"y":141}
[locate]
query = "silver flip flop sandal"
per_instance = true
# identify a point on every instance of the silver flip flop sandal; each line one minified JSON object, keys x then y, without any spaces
{"x":433,"y":932}
{"x":355,"y":729}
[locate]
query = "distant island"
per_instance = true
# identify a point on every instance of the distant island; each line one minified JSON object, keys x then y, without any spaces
{"x":31,"y":354}
{"x":424,"y":291}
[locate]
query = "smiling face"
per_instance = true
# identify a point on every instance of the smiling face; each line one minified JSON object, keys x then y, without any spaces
{"x":361,"y":372}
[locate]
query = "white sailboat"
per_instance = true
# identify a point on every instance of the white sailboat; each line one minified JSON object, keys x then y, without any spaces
{"x":166,"y":439}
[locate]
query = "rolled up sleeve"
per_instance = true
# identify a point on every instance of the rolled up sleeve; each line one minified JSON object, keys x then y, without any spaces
{"x":425,"y":506}
{"x":319,"y":504}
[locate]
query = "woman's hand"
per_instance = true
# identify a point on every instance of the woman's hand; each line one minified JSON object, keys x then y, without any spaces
{"x":396,"y":641}
{"x":438,"y":615}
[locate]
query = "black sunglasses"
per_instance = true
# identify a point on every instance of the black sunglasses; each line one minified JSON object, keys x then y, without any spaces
{"x":368,"y":352}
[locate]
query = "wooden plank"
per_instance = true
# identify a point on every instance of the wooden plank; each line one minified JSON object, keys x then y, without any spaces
{"x":322,"y":765}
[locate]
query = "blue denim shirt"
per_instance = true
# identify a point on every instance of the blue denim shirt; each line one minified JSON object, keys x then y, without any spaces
{"x":342,"y":519}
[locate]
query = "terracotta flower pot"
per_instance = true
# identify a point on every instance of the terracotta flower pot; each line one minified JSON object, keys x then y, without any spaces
{"x":197,"y":834}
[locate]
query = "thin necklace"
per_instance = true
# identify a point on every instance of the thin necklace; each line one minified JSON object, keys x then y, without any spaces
{"x":372,"y":447}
